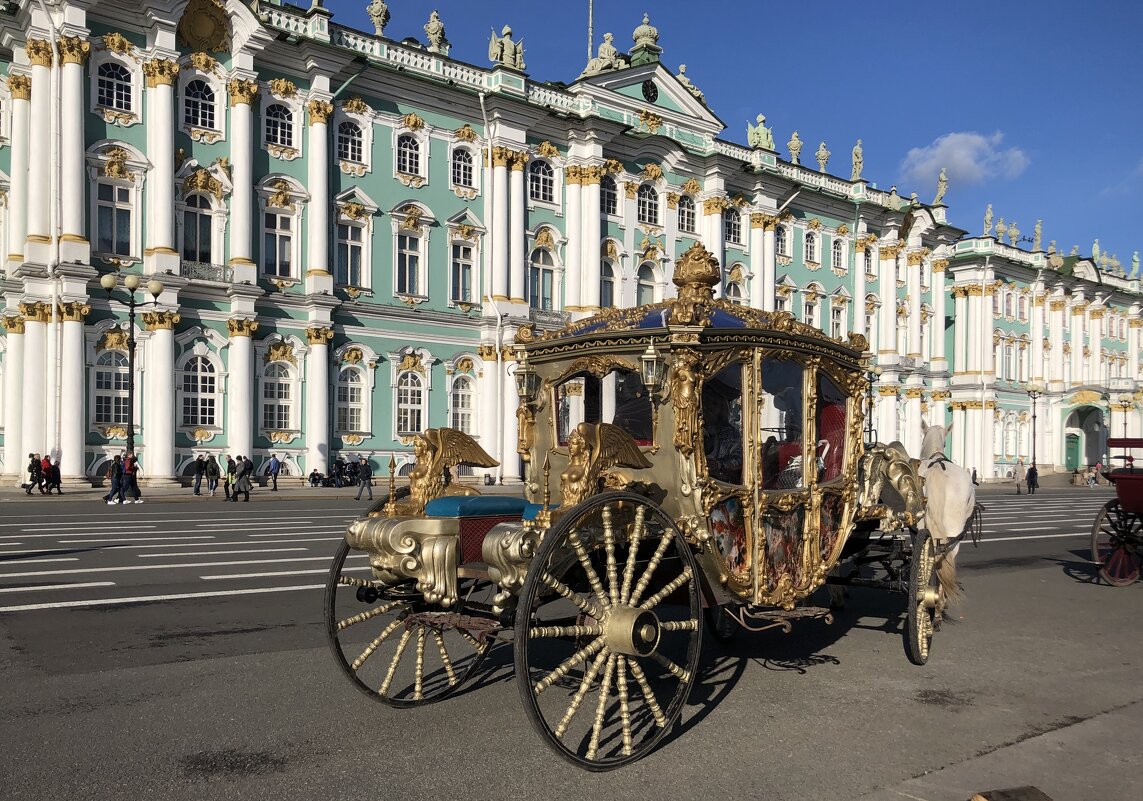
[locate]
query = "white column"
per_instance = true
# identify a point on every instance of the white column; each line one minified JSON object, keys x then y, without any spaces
{"x":317,"y":398}
{"x":240,"y":399}
{"x":960,"y":440}
{"x":489,"y":408}
{"x":510,"y":462}
{"x":913,"y":266}
{"x":14,"y":453}
{"x":20,"y":87}
{"x":573,"y":263}
{"x":33,"y":432}
{"x":1095,"y":344}
{"x":1134,"y":344}
{"x":960,"y":341}
{"x":758,"y":261}
{"x":39,"y":159}
{"x":1077,"y":337}
{"x":937,"y":348}
{"x":159,"y":406}
{"x":592,"y":240}
{"x":72,"y":381}
{"x":887,"y":283}
{"x":713,"y":237}
{"x":161,"y":74}
{"x":500,"y":244}
{"x":73,"y":178}
{"x":517,"y":220}
{"x":242,"y":97}
{"x":318,"y":275}
{"x":858,"y":321}
{"x":769,"y":263}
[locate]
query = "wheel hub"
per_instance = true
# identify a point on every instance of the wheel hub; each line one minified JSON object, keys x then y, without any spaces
{"x":631,"y":631}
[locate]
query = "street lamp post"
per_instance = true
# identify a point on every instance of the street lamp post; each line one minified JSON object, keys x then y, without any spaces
{"x":131,"y":284}
{"x":1034,"y":392}
{"x":1125,"y":403}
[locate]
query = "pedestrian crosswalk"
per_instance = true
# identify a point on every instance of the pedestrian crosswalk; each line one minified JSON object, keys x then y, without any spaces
{"x":1010,"y":518}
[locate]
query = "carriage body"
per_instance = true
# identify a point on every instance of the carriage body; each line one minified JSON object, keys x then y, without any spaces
{"x":1117,"y":534}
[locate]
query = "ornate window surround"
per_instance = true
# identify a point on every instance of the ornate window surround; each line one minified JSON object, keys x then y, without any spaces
{"x":218,"y":209}
{"x":129,"y":172}
{"x":295,"y":365}
{"x":415,"y":224}
{"x":419,"y":361}
{"x":130,"y":61}
{"x":421,"y":136}
{"x":289,"y":201}
{"x":189,"y":71}
{"x":354,"y":207}
{"x":208,"y":344}
{"x":554,"y":164}
{"x":94,"y":346}
{"x":364,"y":358}
{"x":466,"y":192}
{"x":364,"y":121}
{"x":296,"y":104}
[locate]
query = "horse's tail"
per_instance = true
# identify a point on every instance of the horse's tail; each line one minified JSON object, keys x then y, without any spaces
{"x":946,"y":576}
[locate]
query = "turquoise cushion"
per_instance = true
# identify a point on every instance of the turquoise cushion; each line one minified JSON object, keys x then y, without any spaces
{"x":532,"y":509}
{"x":475,"y":506}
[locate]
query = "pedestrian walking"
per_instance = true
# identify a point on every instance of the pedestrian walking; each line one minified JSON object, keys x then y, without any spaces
{"x":229,"y":479}
{"x":975,"y":480}
{"x":35,"y":473}
{"x":1033,"y":479}
{"x":131,"y":473}
{"x":364,"y":479}
{"x":199,"y":473}
{"x":213,"y":472}
{"x":1019,"y":473}
{"x":53,"y":480}
{"x":273,"y":470}
{"x":242,"y":470}
{"x":115,"y":479}
{"x":1091,"y":479}
{"x":45,"y":471}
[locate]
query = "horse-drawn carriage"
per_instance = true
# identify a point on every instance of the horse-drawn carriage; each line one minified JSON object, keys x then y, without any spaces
{"x":685,"y":462}
{"x":1117,"y":534}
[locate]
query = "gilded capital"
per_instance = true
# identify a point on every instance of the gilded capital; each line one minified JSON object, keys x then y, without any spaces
{"x":1097,"y":313}
{"x":917,"y":257}
{"x":241,"y":328}
{"x":1135,"y":323}
{"x":591,"y":174}
{"x":160,"y":320}
{"x":242,"y":91}
{"x":319,"y":110}
{"x":73,"y":50}
{"x":939,"y":265}
{"x":573,"y":174}
{"x":36,"y":312}
{"x":1057,"y":305}
{"x":519,"y":159}
{"x":39,"y":52}
{"x":13,"y":325}
{"x":160,"y":72}
{"x":501,"y":156}
{"x":767,"y":222}
{"x":889,"y":251}
{"x":319,"y":335}
{"x":73,"y":312}
{"x":714,"y":205}
{"x":20,"y":86}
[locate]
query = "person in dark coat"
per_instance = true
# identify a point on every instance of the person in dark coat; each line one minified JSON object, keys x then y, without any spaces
{"x":53,"y":480}
{"x":229,"y":479}
{"x":242,"y":469}
{"x":199,"y":473}
{"x":1033,"y":479}
{"x":213,"y":473}
{"x":35,"y":473}
{"x":115,"y":479}
{"x":364,"y":479}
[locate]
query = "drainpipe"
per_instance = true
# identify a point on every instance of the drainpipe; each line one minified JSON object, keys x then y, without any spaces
{"x":492,"y":302}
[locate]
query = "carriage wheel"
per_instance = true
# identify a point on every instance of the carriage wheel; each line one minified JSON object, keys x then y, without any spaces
{"x":924,"y":595}
{"x":1116,"y":538}
{"x":721,"y":625}
{"x":608,"y":630}
{"x":395,"y":647}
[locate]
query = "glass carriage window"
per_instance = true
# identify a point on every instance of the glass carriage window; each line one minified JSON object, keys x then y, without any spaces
{"x":410,"y":394}
{"x":113,"y":86}
{"x":408,"y":155}
{"x":197,"y":225}
{"x":462,"y":168}
{"x":781,"y":241}
{"x":111,"y":388}
{"x":837,"y":255}
{"x":608,"y":196}
{"x":276,"y":408}
{"x":722,"y":424}
{"x":350,"y":400}
{"x":408,"y":265}
{"x":606,"y":285}
{"x":541,"y":280}
{"x":645,"y":286}
{"x":462,"y":273}
{"x":732,"y":227}
{"x":541,"y":182}
{"x":687,"y":214}
{"x":648,"y":205}
{"x":811,"y":247}
{"x":781,"y":415}
{"x":350,"y":142}
{"x":279,"y":125}
{"x":199,"y":393}
{"x":350,"y":247}
{"x":198,"y":105}
{"x":277,"y":251}
{"x":113,"y":219}
{"x":463,"y":395}
{"x":830,"y":451}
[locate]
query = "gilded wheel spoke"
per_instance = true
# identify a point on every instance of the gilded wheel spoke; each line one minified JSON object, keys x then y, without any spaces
{"x":601,"y":707}
{"x":369,"y":649}
{"x":632,"y":553}
{"x":588,"y":569}
{"x":648,"y":694}
{"x":676,"y":671}
{"x":624,"y":707}
{"x":366,"y":615}
{"x":581,"y":693}
{"x":445,"y":660}
{"x":564,"y":591}
{"x":401,"y":645}
{"x":671,"y":586}
{"x":679,"y":625}
{"x":609,"y":547}
{"x":419,"y":670}
{"x":565,"y":631}
{"x":562,"y":669}
{"x":645,"y":579}
{"x":350,"y":581}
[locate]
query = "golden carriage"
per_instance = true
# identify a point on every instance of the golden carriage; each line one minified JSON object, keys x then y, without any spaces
{"x":687,"y":462}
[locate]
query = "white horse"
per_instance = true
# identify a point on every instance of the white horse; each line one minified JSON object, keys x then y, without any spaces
{"x":950,"y":501}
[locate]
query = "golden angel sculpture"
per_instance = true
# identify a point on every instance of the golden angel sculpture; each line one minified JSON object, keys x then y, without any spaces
{"x":438,"y":449}
{"x":592,"y":449}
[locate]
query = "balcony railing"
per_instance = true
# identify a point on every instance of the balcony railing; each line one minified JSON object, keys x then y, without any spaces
{"x":205,"y":271}
{"x":548,"y":317}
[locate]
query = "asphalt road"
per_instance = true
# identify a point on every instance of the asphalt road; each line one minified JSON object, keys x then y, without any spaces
{"x":176,"y":650}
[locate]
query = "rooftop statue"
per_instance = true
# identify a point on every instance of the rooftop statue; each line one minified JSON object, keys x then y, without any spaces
{"x":1013,"y":233}
{"x":1075,"y":250}
{"x":607,"y":59}
{"x":795,"y":146}
{"x":858,"y":162}
{"x":694,"y":90}
{"x":822,"y":156}
{"x":1052,"y":247}
{"x":1037,"y":235}
{"x":503,"y":50}
{"x":942,"y":187}
{"x":759,"y":135}
{"x":1135,"y":264}
{"x":988,"y":221}
{"x":1001,"y":230}
{"x":1095,"y":251}
{"x":435,"y":30}
{"x":645,"y":34}
{"x":379,"y":13}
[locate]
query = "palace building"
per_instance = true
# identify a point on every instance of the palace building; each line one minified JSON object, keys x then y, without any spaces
{"x":335,"y":237}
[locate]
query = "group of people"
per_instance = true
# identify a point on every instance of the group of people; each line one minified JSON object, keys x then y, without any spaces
{"x":235,"y":476}
{"x":341,"y":474}
{"x":122,"y":474}
{"x":1029,"y":477}
{"x":43,"y":474}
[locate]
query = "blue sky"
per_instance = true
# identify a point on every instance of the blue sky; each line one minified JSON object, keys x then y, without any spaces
{"x":1034,"y":106}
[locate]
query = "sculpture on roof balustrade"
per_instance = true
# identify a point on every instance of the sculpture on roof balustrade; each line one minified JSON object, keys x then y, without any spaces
{"x":435,"y":30}
{"x":379,"y":13}
{"x":822,"y":155}
{"x":505,"y":51}
{"x":988,"y":220}
{"x":607,"y":57}
{"x":858,"y":162}
{"x":759,"y":135}
{"x":694,"y":90}
{"x":795,"y":147}
{"x":942,"y":186}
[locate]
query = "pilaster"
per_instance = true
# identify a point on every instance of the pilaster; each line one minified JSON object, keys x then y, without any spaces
{"x":317,"y":398}
{"x":74,"y":246}
{"x":592,"y":239}
{"x":573,"y":269}
{"x":240,"y":385}
{"x":73,"y":423}
{"x":243,"y":94}
{"x":14,"y":453}
{"x":318,"y":275}
{"x":159,"y":410}
{"x":37,"y":248}
{"x":160,"y":255}
{"x":517,"y":214}
{"x":33,"y":432}
{"x":20,"y":87}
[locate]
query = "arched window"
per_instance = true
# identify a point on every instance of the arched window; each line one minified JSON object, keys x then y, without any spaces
{"x":462,"y":168}
{"x":462,"y":404}
{"x":1022,"y":309}
{"x":648,"y":205}
{"x":781,"y":241}
{"x":645,"y":285}
{"x":410,"y":404}
{"x":198,"y":105}
{"x":350,"y":142}
{"x":200,"y":399}
{"x":197,"y":228}
{"x":351,"y":401}
{"x":279,"y":125}
{"x":687,"y":214}
{"x":277,"y":408}
{"x":541,"y":280}
{"x":869,"y":262}
{"x":606,"y":285}
{"x":408,"y":155}
{"x":608,"y":196}
{"x":1008,"y":304}
{"x":836,"y":255}
{"x":113,"y":86}
{"x":811,"y":247}
{"x":732,"y":226}
{"x":541,"y":182}
{"x":111,"y":388}
{"x":734,"y":294}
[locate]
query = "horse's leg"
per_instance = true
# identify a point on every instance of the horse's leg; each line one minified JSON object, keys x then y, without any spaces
{"x":949,"y":589}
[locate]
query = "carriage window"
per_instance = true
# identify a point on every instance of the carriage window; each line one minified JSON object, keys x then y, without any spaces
{"x":619,"y":398}
{"x":780,"y":410}
{"x":722,"y":424}
{"x":830,"y":429}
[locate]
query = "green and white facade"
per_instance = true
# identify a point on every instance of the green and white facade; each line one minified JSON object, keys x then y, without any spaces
{"x":349,"y":230}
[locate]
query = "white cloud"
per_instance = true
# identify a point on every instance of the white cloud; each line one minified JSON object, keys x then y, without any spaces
{"x":970,"y":158}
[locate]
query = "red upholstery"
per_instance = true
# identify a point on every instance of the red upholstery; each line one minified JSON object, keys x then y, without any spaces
{"x":473,"y":530}
{"x":832,"y":429}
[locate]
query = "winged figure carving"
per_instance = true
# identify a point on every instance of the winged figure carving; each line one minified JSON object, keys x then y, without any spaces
{"x":437,"y":449}
{"x":593,"y":448}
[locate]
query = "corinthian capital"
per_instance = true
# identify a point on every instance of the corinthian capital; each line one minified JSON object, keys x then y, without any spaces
{"x":39,"y":52}
{"x":73,"y":49}
{"x":160,"y":72}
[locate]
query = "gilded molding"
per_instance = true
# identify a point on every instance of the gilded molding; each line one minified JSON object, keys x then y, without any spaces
{"x":651,"y":172}
{"x":547,"y":150}
{"x":117,"y":43}
{"x":1079,"y":308}
{"x":320,"y":111}
{"x":652,"y":121}
{"x":412,"y":121}
{"x":914,"y":392}
{"x":672,"y":200}
{"x":353,"y":210}
{"x":202,"y":181}
{"x":242,"y":91}
{"x":1097,"y":313}
{"x":73,"y":312}
{"x":1057,"y":305}
{"x":39,"y":52}
{"x":73,"y":50}
{"x":890,"y":250}
{"x":464,"y":133}
{"x":319,"y":335}
{"x":714,"y":205}
{"x":20,"y":86}
{"x":13,"y":324}
{"x":573,"y":175}
{"x":36,"y":312}
{"x":280,"y":351}
{"x":161,"y":320}
{"x":283,"y":87}
{"x":241,"y":328}
{"x":692,"y":187}
{"x":632,"y":189}
{"x":888,"y":389}
{"x":160,"y":72}
{"x":1135,"y":323}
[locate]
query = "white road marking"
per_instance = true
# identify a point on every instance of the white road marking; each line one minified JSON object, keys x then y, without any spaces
{"x":281,"y":573}
{"x":59,"y":587}
{"x":223,"y":544}
{"x":297,"y":533}
{"x":142,"y":599}
{"x":7,"y":544}
{"x":32,"y":561}
{"x":61,"y":529}
{"x":135,"y":539}
{"x":215,"y":553}
{"x":174,"y":567}
{"x":987,"y":539}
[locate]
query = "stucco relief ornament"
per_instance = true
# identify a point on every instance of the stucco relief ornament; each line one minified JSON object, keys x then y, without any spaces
{"x":858,"y":162}
{"x":694,"y":90}
{"x":435,"y":30}
{"x":942,"y":186}
{"x":988,"y":221}
{"x":379,"y":13}
{"x":502,"y":50}
{"x":759,"y":135}
{"x":795,"y":147}
{"x":822,"y":155}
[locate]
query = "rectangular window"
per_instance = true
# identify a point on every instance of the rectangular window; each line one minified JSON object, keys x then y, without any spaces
{"x":462,"y":273}
{"x":408,"y":265}
{"x":277,"y":252}
{"x":113,"y":220}
{"x":837,"y":322}
{"x":350,"y":248}
{"x":349,"y":406}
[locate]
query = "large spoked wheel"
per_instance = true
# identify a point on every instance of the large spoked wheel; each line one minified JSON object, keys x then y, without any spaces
{"x":608,"y":630}
{"x":395,"y":647}
{"x":924,"y":595}
{"x":1116,"y":540}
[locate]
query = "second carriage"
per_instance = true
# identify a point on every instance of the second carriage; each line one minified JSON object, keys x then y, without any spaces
{"x":688,"y":462}
{"x":1117,"y":534}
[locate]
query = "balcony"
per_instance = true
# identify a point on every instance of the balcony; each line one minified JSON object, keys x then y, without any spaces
{"x":548,"y":317}
{"x":205,"y":271}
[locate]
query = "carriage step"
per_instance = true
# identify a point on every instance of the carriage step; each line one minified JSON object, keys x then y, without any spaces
{"x":764,"y":618}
